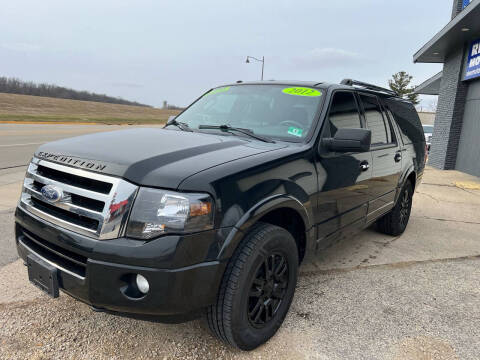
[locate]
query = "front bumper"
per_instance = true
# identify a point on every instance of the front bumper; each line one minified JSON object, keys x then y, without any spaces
{"x":182,"y":271}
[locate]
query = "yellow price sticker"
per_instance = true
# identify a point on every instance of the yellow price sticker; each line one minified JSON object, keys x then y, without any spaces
{"x":218,"y":90}
{"x":302,"y":91}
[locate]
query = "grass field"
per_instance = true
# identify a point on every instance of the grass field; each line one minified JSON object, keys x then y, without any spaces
{"x":25,"y":108}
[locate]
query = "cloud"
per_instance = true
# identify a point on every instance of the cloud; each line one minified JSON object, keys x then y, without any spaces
{"x":20,"y":46}
{"x":326,"y":57}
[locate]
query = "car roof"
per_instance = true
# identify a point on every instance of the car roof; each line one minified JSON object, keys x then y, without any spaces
{"x":318,"y":84}
{"x":315,"y":84}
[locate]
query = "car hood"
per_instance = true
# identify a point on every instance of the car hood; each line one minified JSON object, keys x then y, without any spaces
{"x":149,"y":156}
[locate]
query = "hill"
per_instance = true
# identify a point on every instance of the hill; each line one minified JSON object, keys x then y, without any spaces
{"x":20,"y":87}
{"x":26,"y":108}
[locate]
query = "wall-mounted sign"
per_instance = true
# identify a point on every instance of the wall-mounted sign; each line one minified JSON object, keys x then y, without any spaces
{"x":466,"y":3}
{"x":473,"y":61}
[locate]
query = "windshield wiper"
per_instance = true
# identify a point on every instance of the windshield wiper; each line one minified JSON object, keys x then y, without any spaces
{"x":181,"y":125}
{"x":229,"y":128}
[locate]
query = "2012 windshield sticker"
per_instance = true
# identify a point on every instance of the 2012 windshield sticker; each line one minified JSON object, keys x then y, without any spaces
{"x":295,"y":131}
{"x":219,"y":90}
{"x":302,"y":91}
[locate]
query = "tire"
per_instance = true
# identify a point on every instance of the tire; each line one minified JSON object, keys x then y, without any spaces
{"x":396,"y":221}
{"x":249,"y":293}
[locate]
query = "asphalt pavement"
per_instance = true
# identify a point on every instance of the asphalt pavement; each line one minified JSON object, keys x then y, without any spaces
{"x":19,"y":141}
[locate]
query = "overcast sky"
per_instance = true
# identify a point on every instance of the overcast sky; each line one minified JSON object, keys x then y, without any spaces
{"x":150,"y":51}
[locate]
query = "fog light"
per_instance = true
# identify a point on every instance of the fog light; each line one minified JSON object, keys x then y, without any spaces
{"x":142,"y":284}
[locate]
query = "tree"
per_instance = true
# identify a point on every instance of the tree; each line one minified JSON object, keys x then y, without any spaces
{"x":17,"y":86}
{"x":400,"y":84}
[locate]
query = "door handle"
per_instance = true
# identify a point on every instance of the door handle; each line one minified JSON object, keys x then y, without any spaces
{"x":364,"y":165}
{"x":398,"y":157}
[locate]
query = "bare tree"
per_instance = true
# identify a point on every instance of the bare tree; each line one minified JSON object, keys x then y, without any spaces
{"x":17,"y":86}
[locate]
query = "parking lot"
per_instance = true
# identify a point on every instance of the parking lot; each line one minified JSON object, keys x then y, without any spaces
{"x":371,"y":296}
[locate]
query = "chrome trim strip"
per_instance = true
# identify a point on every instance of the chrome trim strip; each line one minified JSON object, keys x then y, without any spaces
{"x":381,"y":208}
{"x":50,"y":262}
{"x":54,"y":220}
{"x":66,"y":205}
{"x":74,"y":171}
{"x":68,"y":188}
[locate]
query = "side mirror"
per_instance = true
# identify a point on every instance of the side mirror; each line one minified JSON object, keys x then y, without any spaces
{"x":349,"y":140}
{"x":171,"y":118}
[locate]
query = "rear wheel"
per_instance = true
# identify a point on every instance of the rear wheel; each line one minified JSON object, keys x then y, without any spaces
{"x":395,"y":222}
{"x":257,"y":288}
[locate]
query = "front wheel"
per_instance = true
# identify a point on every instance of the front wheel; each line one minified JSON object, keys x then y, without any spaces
{"x":395,"y":222}
{"x":257,"y":288}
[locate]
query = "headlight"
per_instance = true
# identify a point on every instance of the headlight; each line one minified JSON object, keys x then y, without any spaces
{"x":157,"y":212}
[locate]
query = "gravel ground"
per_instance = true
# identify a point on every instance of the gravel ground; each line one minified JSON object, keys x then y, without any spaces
{"x":426,"y":310}
{"x":7,"y":238}
{"x":368,"y":297}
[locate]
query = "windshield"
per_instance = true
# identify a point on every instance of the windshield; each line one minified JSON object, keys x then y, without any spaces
{"x":428,"y":129}
{"x":275,"y":111}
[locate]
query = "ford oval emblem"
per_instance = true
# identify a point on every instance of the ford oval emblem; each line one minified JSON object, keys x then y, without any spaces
{"x":52,"y":193}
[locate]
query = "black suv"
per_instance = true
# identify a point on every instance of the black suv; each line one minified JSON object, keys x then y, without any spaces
{"x":214,"y":213}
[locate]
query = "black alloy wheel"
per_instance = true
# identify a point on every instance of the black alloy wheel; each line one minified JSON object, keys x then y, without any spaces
{"x":395,"y":222}
{"x":405,"y":207}
{"x":257,"y":288}
{"x":268,"y":290}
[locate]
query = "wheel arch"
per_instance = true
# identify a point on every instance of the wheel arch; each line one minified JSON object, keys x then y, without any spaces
{"x":411,"y":175}
{"x":282,"y":210}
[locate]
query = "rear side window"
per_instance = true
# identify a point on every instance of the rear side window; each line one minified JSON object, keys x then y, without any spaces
{"x":343,"y":112}
{"x":389,"y":120}
{"x":392,"y":119}
{"x":388,"y":128}
{"x":406,"y":117}
{"x":375,"y":120}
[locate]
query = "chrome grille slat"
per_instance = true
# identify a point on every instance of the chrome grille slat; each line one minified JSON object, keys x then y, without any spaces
{"x":60,"y":222}
{"x":74,"y":171}
{"x":67,"y":205}
{"x":67,"y":188}
{"x":72,"y":216}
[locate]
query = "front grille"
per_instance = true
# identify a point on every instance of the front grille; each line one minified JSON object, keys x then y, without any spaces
{"x":65,"y":215}
{"x":92,"y":204}
{"x":81,"y":182}
{"x":62,"y":258}
{"x":82,"y":201}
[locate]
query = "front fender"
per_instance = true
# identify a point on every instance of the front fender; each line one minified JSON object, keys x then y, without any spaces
{"x":254,"y":214}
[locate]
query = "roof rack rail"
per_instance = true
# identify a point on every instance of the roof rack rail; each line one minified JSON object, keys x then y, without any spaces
{"x":366,"y":86}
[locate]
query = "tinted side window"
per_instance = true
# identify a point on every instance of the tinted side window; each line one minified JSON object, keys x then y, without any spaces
{"x":388,"y":128}
{"x":389,"y":122}
{"x":406,"y":117}
{"x":392,"y":120}
{"x":343,"y":112}
{"x":375,"y":121}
